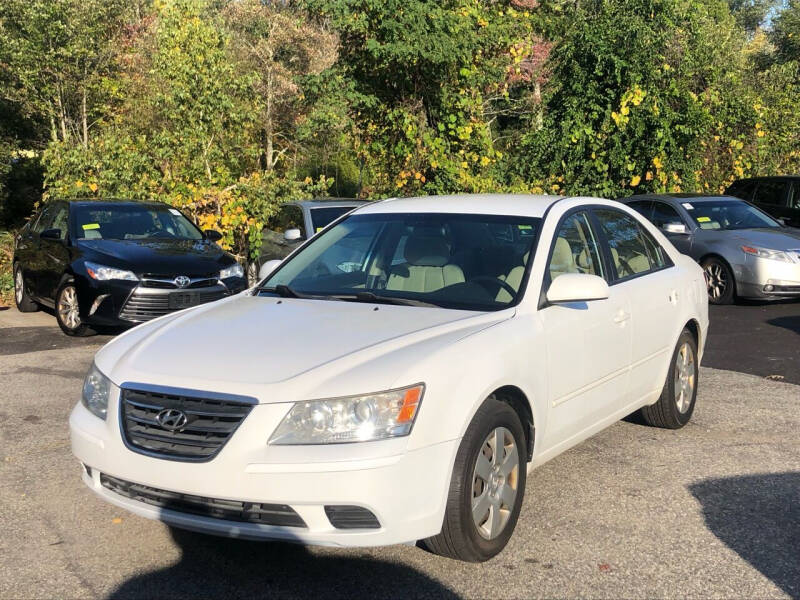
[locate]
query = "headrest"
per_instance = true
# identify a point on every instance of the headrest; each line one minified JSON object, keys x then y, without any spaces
{"x":427,"y":251}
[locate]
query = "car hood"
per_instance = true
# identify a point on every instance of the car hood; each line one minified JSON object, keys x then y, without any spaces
{"x":158,"y":257}
{"x":774,"y":239}
{"x":247,"y":343}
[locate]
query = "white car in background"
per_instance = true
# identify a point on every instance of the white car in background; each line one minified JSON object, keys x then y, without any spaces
{"x":407,"y":397}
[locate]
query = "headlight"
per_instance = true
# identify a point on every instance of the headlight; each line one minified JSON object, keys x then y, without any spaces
{"x":235,"y":270}
{"x":767,"y":253}
{"x":352,"y":419}
{"x":96,"y":388}
{"x":103,"y":273}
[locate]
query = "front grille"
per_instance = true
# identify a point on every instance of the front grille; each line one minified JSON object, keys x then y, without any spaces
{"x":210,"y":423}
{"x":166,"y":282}
{"x":215,"y":508}
{"x":143,"y":307}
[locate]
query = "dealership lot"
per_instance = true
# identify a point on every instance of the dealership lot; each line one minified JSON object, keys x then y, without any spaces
{"x":710,"y":510}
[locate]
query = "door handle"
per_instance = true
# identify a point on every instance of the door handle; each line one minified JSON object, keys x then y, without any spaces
{"x":621,"y":316}
{"x":673,"y":297}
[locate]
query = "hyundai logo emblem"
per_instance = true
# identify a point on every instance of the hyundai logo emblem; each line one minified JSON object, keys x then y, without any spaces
{"x":172,"y":419}
{"x":182,"y":281}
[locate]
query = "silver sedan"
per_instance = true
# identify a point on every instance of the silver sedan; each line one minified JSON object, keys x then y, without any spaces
{"x":744,"y":252}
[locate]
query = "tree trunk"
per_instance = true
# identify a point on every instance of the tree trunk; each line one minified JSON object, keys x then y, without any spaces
{"x":62,"y":117}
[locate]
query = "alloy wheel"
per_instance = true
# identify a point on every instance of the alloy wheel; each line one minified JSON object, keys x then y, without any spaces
{"x":684,"y":378}
{"x":716,"y":280}
{"x":68,"y":307}
{"x":495,"y":480}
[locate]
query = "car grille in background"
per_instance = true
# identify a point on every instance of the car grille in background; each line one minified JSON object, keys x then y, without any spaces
{"x":229,"y":510}
{"x":143,"y":307}
{"x":351,"y":517}
{"x":210,"y":424}
{"x":165,"y":282}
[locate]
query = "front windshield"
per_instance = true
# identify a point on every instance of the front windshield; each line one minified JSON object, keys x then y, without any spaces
{"x":728,"y":214}
{"x":132,"y":222}
{"x":322,"y":217}
{"x":472,"y":262}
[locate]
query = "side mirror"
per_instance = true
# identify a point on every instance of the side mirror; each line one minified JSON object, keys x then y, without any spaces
{"x":674,"y":228}
{"x":577,"y":287}
{"x":51,"y":234}
{"x":212,"y":235}
{"x":291,"y":235}
{"x":267,"y":268}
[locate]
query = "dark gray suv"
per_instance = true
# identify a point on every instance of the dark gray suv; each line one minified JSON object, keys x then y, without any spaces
{"x":779,"y":196}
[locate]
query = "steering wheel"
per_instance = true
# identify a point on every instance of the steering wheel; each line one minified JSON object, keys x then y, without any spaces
{"x":495,"y":281}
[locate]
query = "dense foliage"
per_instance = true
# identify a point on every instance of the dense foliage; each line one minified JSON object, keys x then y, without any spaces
{"x":228,"y":108}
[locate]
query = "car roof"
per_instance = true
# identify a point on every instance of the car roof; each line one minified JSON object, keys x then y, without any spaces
{"x":765,"y":178}
{"x":329,"y":202}
{"x":89,"y":201}
{"x":485,"y":204}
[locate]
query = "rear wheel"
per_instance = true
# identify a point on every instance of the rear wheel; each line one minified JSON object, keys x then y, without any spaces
{"x":487,"y":486}
{"x":68,"y":311}
{"x":21,"y":297}
{"x":720,"y":283}
{"x":676,"y":404}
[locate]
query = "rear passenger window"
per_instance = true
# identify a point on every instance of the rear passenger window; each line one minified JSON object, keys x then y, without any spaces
{"x":771,"y":192}
{"x":575,"y":249}
{"x":633,"y":249}
{"x":664,"y":214}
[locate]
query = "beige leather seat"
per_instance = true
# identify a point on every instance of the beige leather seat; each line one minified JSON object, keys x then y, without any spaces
{"x":635,"y":264}
{"x":562,"y":261}
{"x":427,"y":267}
{"x":514,"y":279}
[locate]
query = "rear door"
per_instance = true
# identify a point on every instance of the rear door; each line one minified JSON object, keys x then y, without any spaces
{"x":36,"y":262}
{"x":794,"y":204}
{"x":588,"y":343}
{"x":642,"y":270}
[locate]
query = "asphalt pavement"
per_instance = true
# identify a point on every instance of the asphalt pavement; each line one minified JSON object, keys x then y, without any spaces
{"x":712,"y":510}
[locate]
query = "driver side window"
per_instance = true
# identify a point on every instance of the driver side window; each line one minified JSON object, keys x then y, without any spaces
{"x":575,"y":249}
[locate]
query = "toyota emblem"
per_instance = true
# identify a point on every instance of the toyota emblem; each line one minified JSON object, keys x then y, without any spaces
{"x":172,"y":419}
{"x":182,"y":281}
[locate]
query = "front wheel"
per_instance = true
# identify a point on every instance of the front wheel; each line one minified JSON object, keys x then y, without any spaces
{"x":720,"y":283}
{"x":675,"y":406}
{"x":68,"y":311}
{"x":21,"y":297}
{"x":487,"y":486}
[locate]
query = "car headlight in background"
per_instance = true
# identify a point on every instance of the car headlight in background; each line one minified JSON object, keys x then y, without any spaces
{"x":104,"y":273}
{"x":96,"y":388}
{"x":352,"y":419}
{"x":235,"y":270}
{"x":767,"y":253}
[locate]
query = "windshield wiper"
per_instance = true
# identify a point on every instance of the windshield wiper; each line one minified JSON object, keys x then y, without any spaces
{"x":372,"y":297}
{"x":284,"y":291}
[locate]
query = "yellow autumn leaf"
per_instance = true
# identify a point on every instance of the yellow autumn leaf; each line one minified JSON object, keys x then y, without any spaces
{"x":635,"y":180}
{"x":93,"y":187}
{"x":79,"y":183}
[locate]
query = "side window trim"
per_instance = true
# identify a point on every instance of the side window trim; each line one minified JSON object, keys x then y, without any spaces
{"x":606,"y":248}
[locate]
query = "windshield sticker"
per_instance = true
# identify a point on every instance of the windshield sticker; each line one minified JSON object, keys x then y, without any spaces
{"x":91,"y":226}
{"x":688,"y":206}
{"x":703,"y":219}
{"x":318,"y":229}
{"x":525,"y":226}
{"x":177,"y":213}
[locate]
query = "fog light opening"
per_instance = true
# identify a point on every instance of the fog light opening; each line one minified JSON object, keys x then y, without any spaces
{"x":769,"y":287}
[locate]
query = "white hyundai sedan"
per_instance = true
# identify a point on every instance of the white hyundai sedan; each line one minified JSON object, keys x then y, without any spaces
{"x":397,"y":377}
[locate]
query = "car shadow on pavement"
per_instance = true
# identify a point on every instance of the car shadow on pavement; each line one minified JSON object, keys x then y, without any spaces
{"x":758,"y":517}
{"x":214,"y":567}
{"x":792,"y":323}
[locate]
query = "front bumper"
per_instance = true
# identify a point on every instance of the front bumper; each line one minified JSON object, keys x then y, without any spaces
{"x":764,"y":278}
{"x":406,"y":491}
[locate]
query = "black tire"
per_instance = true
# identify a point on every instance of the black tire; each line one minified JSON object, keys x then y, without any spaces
{"x":460,"y":537}
{"x":720,"y":283}
{"x":75,"y":328}
{"x":669,"y":412}
{"x":21,"y":297}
